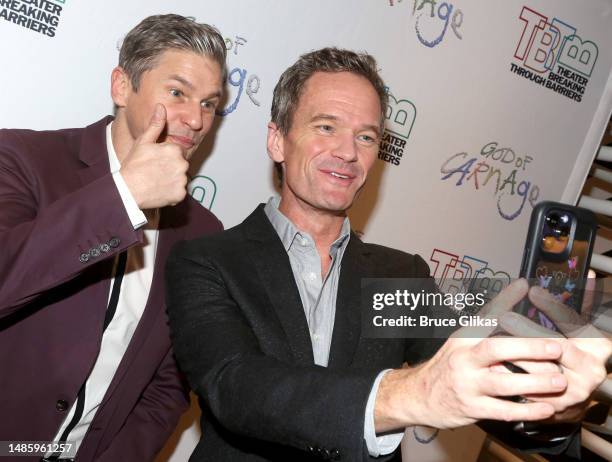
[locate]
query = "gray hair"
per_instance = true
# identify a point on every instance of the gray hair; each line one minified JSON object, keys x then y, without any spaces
{"x":291,"y":83}
{"x":145,"y":43}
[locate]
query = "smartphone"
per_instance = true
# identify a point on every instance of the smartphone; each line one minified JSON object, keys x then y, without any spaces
{"x":557,"y":254}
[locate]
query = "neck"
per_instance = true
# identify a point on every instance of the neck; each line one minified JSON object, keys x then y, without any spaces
{"x":323,"y":226}
{"x":121,"y":136}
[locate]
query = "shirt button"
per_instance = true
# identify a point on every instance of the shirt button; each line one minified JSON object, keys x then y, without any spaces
{"x":312,"y":276}
{"x":304,"y":242}
{"x":61,"y":405}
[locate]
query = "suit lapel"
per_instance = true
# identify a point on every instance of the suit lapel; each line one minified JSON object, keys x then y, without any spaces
{"x":93,"y":152}
{"x":347,"y":323}
{"x":155,"y":304}
{"x":274,"y":270}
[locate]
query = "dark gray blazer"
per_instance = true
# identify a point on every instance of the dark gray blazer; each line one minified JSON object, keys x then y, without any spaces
{"x":241,"y":336}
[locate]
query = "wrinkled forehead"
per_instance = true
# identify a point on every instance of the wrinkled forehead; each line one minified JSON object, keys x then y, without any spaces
{"x":339,"y":93}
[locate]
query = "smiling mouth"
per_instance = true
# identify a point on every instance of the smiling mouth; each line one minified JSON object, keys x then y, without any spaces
{"x":339,"y":175}
{"x":344,"y":177}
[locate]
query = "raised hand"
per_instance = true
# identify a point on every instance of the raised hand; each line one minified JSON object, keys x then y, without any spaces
{"x":585,"y":352}
{"x":461,"y":385}
{"x":155,"y":173}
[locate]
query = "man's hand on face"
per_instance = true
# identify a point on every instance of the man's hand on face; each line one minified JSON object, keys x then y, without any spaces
{"x":155,"y":173}
{"x":464,"y":383}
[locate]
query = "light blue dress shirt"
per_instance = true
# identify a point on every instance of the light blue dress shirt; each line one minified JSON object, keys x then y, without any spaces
{"x":318,"y":297}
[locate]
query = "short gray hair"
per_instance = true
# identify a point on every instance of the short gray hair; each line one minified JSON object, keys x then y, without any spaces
{"x":291,"y":83}
{"x":145,"y":43}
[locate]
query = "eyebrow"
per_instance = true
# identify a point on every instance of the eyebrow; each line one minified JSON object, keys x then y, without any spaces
{"x":188,"y":84}
{"x":182,"y":80}
{"x":323,"y":116}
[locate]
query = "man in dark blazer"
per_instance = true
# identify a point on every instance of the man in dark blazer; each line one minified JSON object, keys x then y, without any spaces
{"x":81,"y":362}
{"x":265,"y":317}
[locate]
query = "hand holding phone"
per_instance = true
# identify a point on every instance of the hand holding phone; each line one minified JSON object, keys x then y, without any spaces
{"x":557,"y":255}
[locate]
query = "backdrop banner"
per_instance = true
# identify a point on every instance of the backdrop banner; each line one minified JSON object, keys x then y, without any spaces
{"x":495,"y":106}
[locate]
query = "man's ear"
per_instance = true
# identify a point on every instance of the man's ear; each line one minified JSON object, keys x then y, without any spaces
{"x":121,"y":86}
{"x":275,"y":143}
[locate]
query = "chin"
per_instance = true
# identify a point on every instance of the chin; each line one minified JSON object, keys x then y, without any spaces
{"x":339,"y":200}
{"x":337,"y":206}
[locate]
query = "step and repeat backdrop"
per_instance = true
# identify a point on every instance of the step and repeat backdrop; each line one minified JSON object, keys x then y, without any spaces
{"x":495,"y":106}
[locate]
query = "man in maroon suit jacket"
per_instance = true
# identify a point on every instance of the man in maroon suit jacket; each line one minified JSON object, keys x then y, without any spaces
{"x":71,"y":202}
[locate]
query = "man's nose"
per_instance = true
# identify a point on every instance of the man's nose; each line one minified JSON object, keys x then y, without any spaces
{"x":192,"y":116}
{"x":346,"y":149}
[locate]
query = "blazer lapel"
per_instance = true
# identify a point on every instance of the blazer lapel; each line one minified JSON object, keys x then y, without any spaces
{"x":155,"y":304}
{"x":347,"y":324}
{"x":93,"y":151}
{"x":274,"y":270}
{"x":94,"y":155}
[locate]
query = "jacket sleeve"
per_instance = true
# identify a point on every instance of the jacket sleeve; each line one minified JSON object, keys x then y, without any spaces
{"x":43,"y":246}
{"x":249,"y":393}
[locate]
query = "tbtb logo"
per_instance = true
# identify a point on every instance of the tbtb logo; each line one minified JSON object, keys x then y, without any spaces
{"x":42,"y":16}
{"x":399,"y":121}
{"x":455,"y":271}
{"x":553,"y":55}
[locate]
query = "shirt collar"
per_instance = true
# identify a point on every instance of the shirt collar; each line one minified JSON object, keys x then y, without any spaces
{"x":288,"y":232}
{"x":112,"y":154}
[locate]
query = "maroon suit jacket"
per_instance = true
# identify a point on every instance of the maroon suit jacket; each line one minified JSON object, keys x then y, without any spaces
{"x":57,"y":202}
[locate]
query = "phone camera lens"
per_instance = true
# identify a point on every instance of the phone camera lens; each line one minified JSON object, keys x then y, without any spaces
{"x":553,"y":220}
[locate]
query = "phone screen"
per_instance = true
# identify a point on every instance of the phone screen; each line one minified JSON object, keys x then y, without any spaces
{"x":562,"y":279}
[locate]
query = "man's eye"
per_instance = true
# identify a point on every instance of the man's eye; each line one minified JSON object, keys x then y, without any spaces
{"x":209,"y":104}
{"x":326,"y":128}
{"x":367,"y":138}
{"x":175,"y":92}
